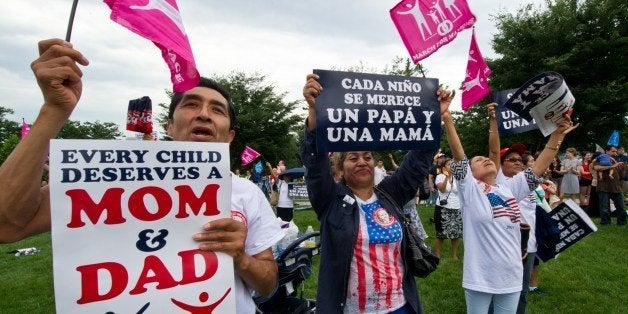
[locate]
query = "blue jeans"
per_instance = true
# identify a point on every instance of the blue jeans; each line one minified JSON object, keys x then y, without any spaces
{"x":479,"y":302}
{"x":432,"y":199}
{"x":528,"y":263}
{"x":605,"y":211}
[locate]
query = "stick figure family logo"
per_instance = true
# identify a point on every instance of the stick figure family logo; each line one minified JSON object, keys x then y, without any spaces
{"x":427,"y":25}
{"x":166,"y":8}
{"x":442,"y":13}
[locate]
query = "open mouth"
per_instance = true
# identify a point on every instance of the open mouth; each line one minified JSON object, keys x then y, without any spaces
{"x":202,"y":132}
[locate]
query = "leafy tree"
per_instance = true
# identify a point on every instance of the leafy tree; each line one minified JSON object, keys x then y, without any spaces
{"x":585,"y":41}
{"x":89,"y":130}
{"x":264,"y":120}
{"x":7,"y":146}
{"x":7,"y":128}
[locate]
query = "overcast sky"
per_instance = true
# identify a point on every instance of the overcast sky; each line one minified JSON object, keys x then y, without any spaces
{"x":283,"y":39}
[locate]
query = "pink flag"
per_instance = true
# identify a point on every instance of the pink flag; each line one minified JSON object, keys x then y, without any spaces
{"x":25,"y":129}
{"x":160,"y":21}
{"x":426,"y":25}
{"x":248,"y":155}
{"x":475,"y":85}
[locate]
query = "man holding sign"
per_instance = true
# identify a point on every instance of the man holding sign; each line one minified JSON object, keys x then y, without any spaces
{"x":202,"y":114}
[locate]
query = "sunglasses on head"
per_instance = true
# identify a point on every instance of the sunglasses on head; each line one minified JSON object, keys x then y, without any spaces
{"x":514,"y":159}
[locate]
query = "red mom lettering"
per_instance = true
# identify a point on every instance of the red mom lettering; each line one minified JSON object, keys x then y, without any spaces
{"x":110,"y":204}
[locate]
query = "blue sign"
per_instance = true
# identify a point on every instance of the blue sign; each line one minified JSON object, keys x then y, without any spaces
{"x":359,"y":111}
{"x":508,"y":122}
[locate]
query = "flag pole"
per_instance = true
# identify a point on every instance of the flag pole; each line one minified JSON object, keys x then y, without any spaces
{"x":68,"y":33}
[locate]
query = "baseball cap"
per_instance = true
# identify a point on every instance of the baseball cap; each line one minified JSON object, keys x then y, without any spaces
{"x":518,"y":148}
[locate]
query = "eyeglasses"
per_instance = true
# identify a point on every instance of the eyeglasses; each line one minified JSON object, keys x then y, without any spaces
{"x":514,"y":160}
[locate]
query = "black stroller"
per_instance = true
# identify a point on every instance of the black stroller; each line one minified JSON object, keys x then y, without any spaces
{"x":295,"y":266}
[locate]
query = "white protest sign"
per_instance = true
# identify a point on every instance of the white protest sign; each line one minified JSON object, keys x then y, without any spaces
{"x":123,"y":217}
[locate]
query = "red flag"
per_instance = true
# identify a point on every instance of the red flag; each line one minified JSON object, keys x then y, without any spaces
{"x":139,"y":115}
{"x":248,"y":155}
{"x":160,"y":22}
{"x":25,"y":129}
{"x":475,"y":85}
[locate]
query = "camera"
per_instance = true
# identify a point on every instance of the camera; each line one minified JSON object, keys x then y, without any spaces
{"x":442,"y":202}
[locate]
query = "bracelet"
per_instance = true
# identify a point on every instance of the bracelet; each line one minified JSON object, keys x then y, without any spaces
{"x":552,"y":148}
{"x":491,"y":131}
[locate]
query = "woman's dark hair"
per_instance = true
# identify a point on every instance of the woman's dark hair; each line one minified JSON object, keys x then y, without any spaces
{"x":211,"y":84}
{"x":524,"y":158}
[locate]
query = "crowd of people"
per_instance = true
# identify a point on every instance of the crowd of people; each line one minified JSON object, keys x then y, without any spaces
{"x":489,"y":202}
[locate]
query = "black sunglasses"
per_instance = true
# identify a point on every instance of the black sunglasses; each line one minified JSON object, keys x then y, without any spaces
{"x":514,"y":159}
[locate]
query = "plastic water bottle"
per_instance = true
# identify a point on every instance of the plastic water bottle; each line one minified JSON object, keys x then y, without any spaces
{"x":311,"y":242}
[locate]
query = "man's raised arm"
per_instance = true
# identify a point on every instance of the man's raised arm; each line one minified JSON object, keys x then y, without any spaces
{"x":24,"y":205}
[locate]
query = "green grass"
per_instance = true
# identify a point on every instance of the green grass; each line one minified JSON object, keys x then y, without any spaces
{"x":589,"y":277}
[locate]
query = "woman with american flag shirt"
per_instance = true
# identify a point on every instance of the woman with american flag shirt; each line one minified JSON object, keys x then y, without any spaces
{"x":493,"y":270}
{"x":362,"y":269}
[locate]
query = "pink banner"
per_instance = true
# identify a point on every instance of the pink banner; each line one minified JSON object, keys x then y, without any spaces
{"x":25,"y":129}
{"x":160,"y":22}
{"x":425,"y":26}
{"x":475,"y":85}
{"x":248,"y":155}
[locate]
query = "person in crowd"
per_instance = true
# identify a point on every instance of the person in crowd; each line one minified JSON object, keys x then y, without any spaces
{"x":605,"y":160}
{"x":513,"y":160}
{"x":569,"y":185}
{"x":281,"y":167}
{"x":556,"y":175}
{"x":433,"y":172}
{"x":593,"y":210}
{"x":410,"y":207}
{"x":380,"y":172}
{"x":585,"y":179}
{"x":623,"y":157}
{"x":447,"y":214}
{"x":358,"y":271}
{"x":492,"y":268}
{"x":285,"y":206}
{"x":203,"y":114}
{"x":611,"y":189}
{"x":256,"y":177}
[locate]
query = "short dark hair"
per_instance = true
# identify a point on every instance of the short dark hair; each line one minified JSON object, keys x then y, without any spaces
{"x":609,"y":147}
{"x":211,"y":84}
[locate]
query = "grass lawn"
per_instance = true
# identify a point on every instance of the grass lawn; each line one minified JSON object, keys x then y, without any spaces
{"x":589,"y":277}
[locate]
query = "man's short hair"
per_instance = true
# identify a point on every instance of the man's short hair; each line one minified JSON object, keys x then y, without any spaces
{"x":211,"y":84}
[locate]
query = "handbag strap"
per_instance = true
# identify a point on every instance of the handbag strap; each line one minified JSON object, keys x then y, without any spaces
{"x":450,"y":189}
{"x":412,"y":241}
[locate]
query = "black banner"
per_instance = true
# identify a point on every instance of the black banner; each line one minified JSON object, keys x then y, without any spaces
{"x":508,"y":121}
{"x":297,"y":189}
{"x":359,"y":111}
{"x":573,"y":223}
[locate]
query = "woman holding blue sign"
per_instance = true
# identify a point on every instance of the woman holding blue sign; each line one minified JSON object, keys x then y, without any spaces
{"x":361,"y":268}
{"x":493,"y":270}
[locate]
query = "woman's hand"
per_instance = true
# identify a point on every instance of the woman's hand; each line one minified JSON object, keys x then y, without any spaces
{"x":312,"y":89}
{"x":491,"y":109}
{"x":444,"y":99}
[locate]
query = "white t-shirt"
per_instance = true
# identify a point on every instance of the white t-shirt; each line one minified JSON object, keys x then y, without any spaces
{"x":491,"y":231}
{"x":284,"y":200}
{"x":453,"y":201}
{"x":250,"y":206}
{"x":528,"y":211}
{"x":380,"y":174}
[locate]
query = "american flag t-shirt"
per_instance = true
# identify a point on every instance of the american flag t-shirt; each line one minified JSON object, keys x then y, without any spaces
{"x":504,"y":208}
{"x":376,"y":273}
